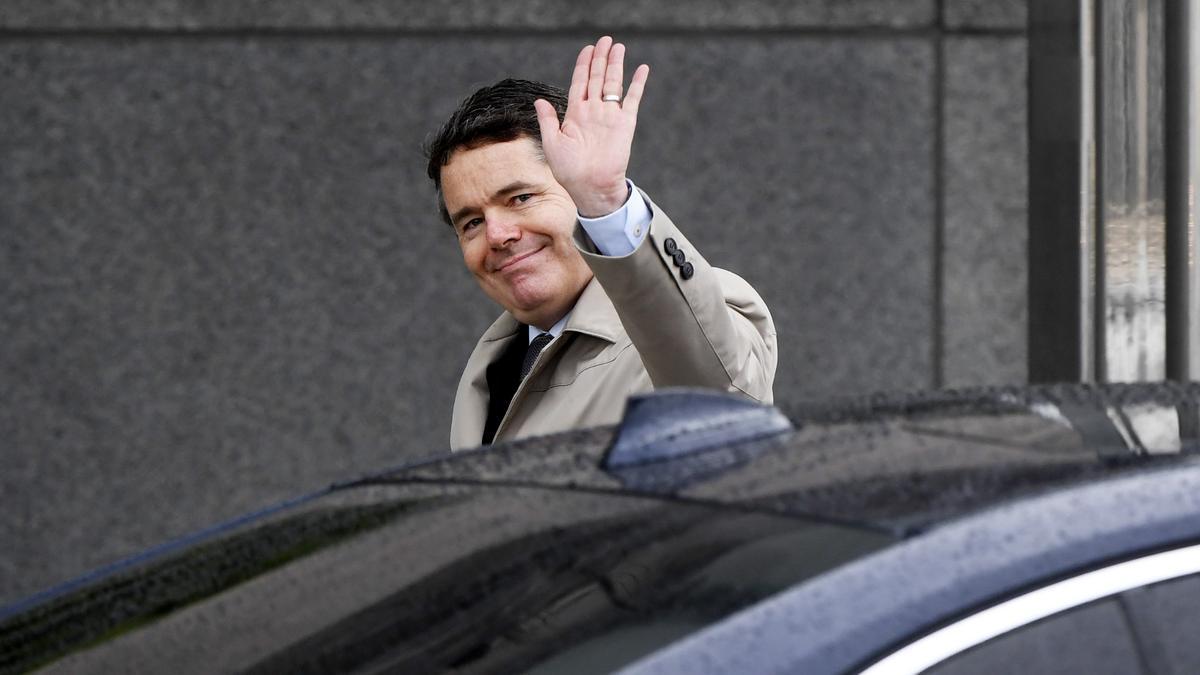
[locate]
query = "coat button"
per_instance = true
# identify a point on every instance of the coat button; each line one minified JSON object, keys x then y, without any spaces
{"x":670,"y":246}
{"x":687,"y":271}
{"x":679,"y":258}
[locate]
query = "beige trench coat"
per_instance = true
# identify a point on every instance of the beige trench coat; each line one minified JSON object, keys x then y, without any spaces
{"x":638,"y":325}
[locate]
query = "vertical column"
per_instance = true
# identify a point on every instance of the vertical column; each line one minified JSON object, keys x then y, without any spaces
{"x":1130,"y":168}
{"x":1062,"y":187}
{"x":1182,"y":41}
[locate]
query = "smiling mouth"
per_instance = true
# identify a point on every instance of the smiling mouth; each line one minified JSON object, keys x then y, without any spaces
{"x":512,"y":261}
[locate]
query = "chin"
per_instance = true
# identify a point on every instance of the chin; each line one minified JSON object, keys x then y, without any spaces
{"x":529,"y":311}
{"x":530,"y":294}
{"x":537,"y":297}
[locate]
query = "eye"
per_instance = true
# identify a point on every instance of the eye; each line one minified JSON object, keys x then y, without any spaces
{"x":470,"y":224}
{"x":523,"y":197}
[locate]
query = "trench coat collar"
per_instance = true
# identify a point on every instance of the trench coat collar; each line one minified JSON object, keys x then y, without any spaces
{"x":593,"y":315}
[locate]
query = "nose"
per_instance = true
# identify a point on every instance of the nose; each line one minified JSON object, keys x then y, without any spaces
{"x":502,"y":229}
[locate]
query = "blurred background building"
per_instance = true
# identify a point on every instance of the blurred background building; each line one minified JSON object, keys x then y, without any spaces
{"x":223,"y":280}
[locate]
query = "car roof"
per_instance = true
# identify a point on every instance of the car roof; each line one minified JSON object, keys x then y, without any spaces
{"x":819,"y":486}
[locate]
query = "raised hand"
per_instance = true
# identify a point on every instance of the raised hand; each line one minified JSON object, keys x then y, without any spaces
{"x":589,"y":153}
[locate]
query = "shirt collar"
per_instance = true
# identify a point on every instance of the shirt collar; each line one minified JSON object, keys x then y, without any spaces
{"x":555,"y":330}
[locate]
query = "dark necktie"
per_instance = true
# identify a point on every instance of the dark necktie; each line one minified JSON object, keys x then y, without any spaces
{"x":535,"y":347}
{"x":504,"y":376}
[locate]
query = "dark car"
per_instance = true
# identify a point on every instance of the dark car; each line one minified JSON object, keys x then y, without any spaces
{"x":1044,"y":529}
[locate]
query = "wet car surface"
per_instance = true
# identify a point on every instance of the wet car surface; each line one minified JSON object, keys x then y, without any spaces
{"x":637,"y":546}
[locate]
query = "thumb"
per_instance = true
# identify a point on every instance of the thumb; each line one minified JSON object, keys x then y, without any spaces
{"x":547,"y":119}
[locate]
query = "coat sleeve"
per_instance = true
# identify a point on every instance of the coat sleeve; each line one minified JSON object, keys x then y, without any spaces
{"x":693,"y":325}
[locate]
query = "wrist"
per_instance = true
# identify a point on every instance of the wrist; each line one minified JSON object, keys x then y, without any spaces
{"x":602,"y":202}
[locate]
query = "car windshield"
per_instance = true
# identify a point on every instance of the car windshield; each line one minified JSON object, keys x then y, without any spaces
{"x":428,"y":576}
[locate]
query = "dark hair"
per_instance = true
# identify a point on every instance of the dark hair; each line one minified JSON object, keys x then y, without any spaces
{"x":496,"y":114}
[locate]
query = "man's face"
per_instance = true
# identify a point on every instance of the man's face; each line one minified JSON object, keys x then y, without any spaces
{"x":514,"y":224}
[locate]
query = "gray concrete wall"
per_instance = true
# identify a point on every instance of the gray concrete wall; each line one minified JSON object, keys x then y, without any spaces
{"x":223,"y":280}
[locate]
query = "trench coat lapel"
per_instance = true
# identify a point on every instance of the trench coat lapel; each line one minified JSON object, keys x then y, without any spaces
{"x":471,"y":405}
{"x":592,"y":315}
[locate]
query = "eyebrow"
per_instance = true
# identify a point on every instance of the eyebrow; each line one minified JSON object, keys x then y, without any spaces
{"x":511,"y":187}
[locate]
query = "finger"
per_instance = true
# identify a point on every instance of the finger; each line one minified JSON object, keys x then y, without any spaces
{"x":599,"y":63}
{"x":580,"y":76}
{"x":614,"y":76}
{"x":547,"y":118}
{"x":636,"y":86}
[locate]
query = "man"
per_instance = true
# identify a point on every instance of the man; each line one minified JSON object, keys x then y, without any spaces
{"x":603,"y":296}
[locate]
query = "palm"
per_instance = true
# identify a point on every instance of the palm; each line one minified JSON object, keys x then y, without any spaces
{"x":589,"y":153}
